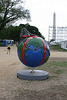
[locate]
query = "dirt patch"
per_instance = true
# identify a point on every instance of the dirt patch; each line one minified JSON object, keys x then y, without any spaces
{"x":58,"y":59}
{"x":12,"y":88}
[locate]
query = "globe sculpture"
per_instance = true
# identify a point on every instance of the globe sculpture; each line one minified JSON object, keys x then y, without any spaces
{"x":33,"y":51}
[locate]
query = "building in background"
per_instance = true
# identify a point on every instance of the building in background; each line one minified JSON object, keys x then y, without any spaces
{"x":57,"y":33}
{"x":61,"y":33}
{"x":50,"y":33}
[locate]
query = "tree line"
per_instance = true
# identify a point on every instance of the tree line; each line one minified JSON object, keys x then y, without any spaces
{"x":13,"y":32}
{"x":10,"y":12}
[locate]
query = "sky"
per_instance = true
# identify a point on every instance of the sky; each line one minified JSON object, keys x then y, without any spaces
{"x":41,"y":12}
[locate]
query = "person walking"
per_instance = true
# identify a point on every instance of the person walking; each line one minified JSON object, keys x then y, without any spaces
{"x":9,"y":48}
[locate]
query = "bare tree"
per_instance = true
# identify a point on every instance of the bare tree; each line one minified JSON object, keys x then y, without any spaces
{"x":12,"y":10}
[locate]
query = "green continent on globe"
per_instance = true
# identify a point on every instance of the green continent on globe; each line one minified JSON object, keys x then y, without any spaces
{"x":36,"y":42}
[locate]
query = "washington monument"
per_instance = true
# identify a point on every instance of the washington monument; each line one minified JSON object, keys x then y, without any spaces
{"x":54,"y":26}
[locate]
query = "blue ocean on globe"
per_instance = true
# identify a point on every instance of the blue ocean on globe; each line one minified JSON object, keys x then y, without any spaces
{"x":31,"y":57}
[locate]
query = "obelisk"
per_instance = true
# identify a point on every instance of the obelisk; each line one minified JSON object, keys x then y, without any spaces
{"x":54,"y":26}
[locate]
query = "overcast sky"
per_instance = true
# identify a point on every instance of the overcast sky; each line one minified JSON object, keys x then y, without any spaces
{"x":42,"y":13}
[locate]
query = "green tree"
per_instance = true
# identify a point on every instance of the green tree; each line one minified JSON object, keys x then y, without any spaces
{"x":13,"y":32}
{"x":32,"y":30}
{"x":10,"y":11}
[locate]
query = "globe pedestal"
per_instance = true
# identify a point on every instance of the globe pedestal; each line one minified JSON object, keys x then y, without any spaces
{"x":35,"y":75}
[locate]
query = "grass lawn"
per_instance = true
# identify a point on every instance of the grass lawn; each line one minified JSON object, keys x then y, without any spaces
{"x":57,"y":48}
{"x":53,"y":67}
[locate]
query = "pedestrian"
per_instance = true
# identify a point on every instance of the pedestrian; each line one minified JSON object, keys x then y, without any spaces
{"x":9,"y":48}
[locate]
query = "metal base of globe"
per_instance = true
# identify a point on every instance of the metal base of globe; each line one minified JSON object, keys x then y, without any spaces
{"x":32,"y":75}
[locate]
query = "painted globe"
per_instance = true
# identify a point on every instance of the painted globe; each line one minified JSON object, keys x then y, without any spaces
{"x":33,"y":51}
